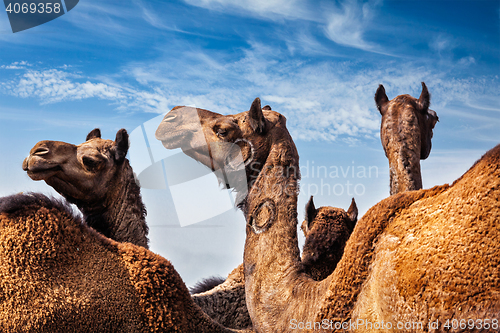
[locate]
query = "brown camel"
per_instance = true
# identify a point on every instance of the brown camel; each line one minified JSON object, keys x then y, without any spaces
{"x":59,"y":275}
{"x":406,"y":133}
{"x":123,"y":225}
{"x":440,"y":243}
{"x":326,"y":230}
{"x":97,"y":177}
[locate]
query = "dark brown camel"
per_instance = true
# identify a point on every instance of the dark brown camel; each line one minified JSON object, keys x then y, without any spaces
{"x":97,"y":177}
{"x":59,"y":275}
{"x":326,"y":230}
{"x":406,"y":133}
{"x":454,"y":222}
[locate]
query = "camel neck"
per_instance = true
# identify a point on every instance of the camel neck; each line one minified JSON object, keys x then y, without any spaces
{"x":271,"y":207}
{"x":121,"y":216}
{"x":401,"y":139}
{"x":277,"y":290}
{"x":404,"y":169}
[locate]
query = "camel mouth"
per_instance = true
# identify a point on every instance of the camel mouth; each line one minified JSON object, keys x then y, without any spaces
{"x":42,"y":172}
{"x":172,"y":141}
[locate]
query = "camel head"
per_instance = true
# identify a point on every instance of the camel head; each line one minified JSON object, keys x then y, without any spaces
{"x":406,"y":133}
{"x":326,"y":229}
{"x":230,"y":143}
{"x":81,"y":173}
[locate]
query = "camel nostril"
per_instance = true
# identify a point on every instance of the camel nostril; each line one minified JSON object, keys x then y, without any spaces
{"x":170,"y":118}
{"x":41,"y":151}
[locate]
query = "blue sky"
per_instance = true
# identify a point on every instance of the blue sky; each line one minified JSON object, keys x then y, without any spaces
{"x":119,"y":64}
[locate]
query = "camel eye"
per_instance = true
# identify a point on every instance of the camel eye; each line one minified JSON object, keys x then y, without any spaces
{"x":90,"y":163}
{"x":222,"y":133}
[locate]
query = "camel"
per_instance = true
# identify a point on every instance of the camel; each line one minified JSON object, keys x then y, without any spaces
{"x":423,"y":256}
{"x":326,"y":230}
{"x":97,"y":177}
{"x":59,"y":275}
{"x":406,"y":133}
{"x":67,"y":165}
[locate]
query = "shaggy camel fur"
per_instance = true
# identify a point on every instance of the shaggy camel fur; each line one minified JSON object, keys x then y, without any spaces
{"x":97,"y":177}
{"x":58,"y":275}
{"x":452,"y":224}
{"x":406,"y":133}
{"x":326,"y":230}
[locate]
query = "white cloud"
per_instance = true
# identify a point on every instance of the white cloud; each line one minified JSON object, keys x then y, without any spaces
{"x":344,"y":22}
{"x":54,"y":85}
{"x":269,"y":9}
{"x":322,"y":101}
{"x":467,"y":61}
{"x":16,"y":65}
{"x":347,"y":22}
{"x":325,"y":100}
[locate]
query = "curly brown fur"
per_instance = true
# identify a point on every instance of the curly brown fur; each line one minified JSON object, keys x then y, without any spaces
{"x":97,"y":177}
{"x":352,"y":269}
{"x":58,"y":275}
{"x":427,"y":255}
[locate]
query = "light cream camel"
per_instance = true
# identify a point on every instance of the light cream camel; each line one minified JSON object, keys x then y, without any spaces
{"x":406,"y":133}
{"x":454,"y":222}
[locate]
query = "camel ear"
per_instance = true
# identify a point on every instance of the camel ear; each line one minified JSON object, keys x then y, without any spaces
{"x":95,"y":133}
{"x":381,"y":99}
{"x":257,"y":120}
{"x":120,"y":148}
{"x":352,"y":212}
{"x":267,"y":107}
{"x":424,"y":100}
{"x":310,"y":212}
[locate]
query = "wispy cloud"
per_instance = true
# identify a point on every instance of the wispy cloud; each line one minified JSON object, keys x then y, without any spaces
{"x":441,"y":43}
{"x":55,"y":85}
{"x":343,"y":22}
{"x":322,"y":100}
{"x":268,"y":9}
{"x":347,"y":23}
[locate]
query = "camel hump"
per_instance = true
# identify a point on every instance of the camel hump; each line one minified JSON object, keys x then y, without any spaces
{"x":206,"y":284}
{"x":21,"y":201}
